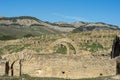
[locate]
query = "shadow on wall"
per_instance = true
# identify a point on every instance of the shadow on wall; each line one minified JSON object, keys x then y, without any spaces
{"x":116,"y":52}
{"x":116,"y":47}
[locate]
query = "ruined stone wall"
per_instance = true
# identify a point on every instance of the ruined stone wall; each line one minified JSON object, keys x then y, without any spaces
{"x":62,"y":65}
{"x":81,"y":65}
{"x":69,"y":66}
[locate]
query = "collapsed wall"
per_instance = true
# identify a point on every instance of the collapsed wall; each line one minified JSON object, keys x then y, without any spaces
{"x":72,"y":67}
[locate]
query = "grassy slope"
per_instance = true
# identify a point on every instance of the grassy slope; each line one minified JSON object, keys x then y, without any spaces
{"x":93,"y":42}
{"x":19,"y":32}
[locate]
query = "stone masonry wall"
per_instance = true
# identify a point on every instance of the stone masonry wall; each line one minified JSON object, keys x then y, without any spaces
{"x":69,"y":66}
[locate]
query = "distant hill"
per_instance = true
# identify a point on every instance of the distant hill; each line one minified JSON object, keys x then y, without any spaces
{"x":26,"y":26}
{"x":95,"y":26}
{"x":85,"y":26}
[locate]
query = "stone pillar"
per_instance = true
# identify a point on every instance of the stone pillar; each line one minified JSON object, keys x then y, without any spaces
{"x":2,"y":68}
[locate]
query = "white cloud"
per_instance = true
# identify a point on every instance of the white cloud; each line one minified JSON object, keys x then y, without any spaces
{"x":69,"y":17}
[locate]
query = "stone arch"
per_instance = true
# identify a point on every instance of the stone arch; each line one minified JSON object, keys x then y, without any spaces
{"x":14,"y":61}
{"x":13,"y":69}
{"x":65,"y":41}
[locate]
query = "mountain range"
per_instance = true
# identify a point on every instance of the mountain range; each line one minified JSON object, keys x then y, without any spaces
{"x":26,"y":26}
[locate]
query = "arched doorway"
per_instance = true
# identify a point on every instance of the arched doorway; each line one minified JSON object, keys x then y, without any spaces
{"x":68,"y":43}
{"x":14,"y":64}
{"x":15,"y":68}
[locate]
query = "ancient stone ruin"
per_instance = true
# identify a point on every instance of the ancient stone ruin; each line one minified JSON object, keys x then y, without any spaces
{"x":70,"y":66}
{"x":116,"y":52}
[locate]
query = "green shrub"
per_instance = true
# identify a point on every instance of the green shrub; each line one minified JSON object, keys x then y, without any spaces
{"x":7,"y":37}
{"x":75,"y":31}
{"x":71,"y":47}
{"x":25,"y":76}
{"x":61,"y":49}
{"x":1,"y":51}
{"x":93,"y":47}
{"x":28,"y":35}
{"x":15,"y":48}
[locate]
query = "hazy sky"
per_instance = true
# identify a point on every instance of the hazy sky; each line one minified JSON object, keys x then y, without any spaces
{"x":64,"y":10}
